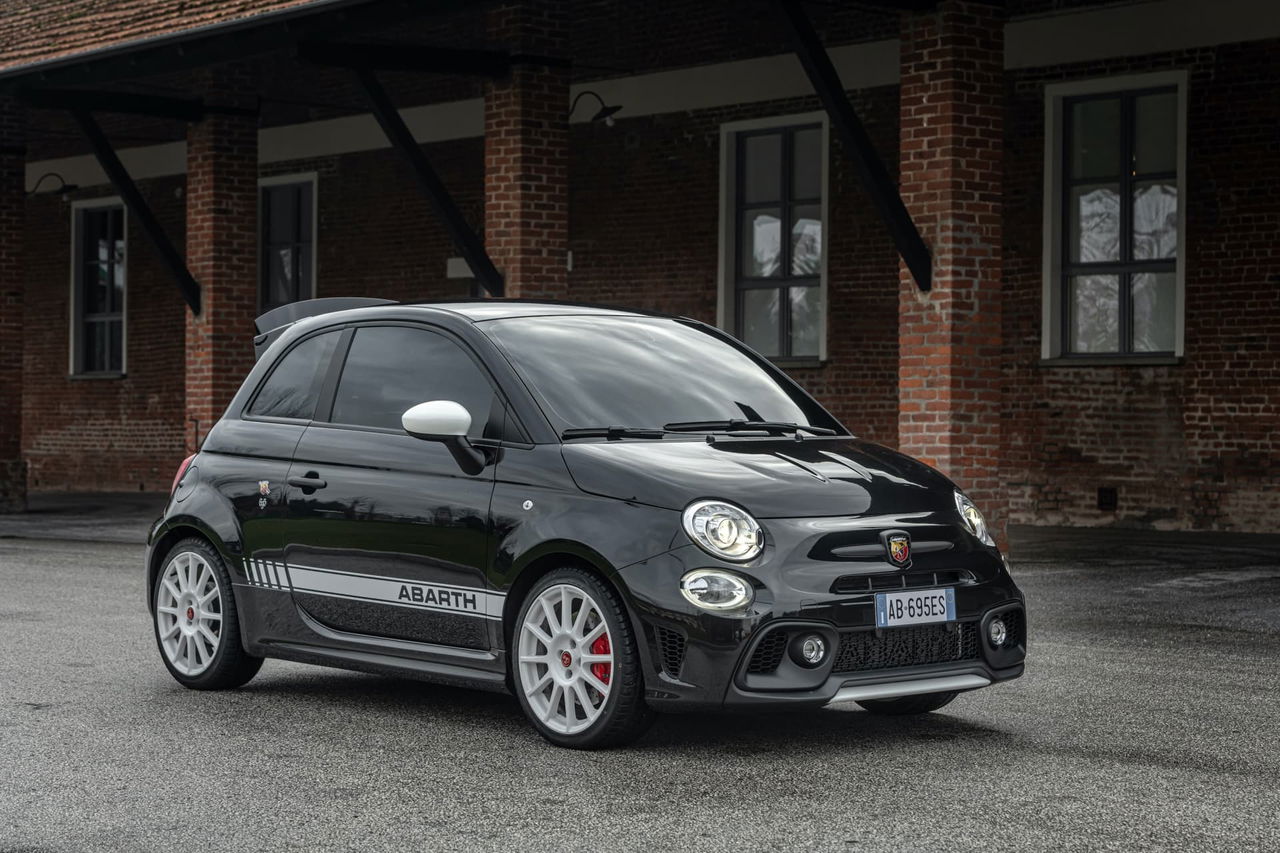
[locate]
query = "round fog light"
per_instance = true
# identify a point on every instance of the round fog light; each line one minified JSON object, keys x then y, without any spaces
{"x":997,"y":632}
{"x":813,"y":649}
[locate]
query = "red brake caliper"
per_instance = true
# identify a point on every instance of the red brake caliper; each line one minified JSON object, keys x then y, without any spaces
{"x":600,"y":646}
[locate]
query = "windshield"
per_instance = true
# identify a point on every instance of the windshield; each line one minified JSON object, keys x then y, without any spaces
{"x":642,"y":372}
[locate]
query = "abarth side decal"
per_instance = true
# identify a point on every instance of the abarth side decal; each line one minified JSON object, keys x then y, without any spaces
{"x":267,"y":573}
{"x":460,"y":600}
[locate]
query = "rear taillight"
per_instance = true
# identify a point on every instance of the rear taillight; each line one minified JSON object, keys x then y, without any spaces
{"x":182,"y":469}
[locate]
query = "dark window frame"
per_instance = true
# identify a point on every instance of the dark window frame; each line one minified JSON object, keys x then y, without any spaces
{"x":1126,"y":267}
{"x":112,"y":209}
{"x":785,"y":204}
{"x":268,"y":187}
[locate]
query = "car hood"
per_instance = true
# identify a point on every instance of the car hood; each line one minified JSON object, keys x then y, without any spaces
{"x":770,"y":478}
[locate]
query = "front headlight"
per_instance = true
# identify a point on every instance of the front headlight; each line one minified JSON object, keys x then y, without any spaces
{"x":723,"y":530}
{"x":712,"y":589}
{"x":973,"y":519}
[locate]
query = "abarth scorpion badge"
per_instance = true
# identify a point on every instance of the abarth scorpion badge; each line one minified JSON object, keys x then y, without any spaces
{"x":264,"y":489}
{"x":898,"y":544}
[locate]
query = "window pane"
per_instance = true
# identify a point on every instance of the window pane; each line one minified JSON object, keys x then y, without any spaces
{"x":761,"y":243}
{"x":293,"y":387}
{"x":1095,"y":223}
{"x":761,"y":168}
{"x":391,"y":369}
{"x":100,"y":285}
{"x":117,"y":268}
{"x":95,"y":347}
{"x":760,"y":326}
{"x":807,"y":169}
{"x":305,"y":212}
{"x":1095,"y":138}
{"x":1154,"y":303}
{"x":281,"y":284}
{"x":806,"y":240}
{"x":282,"y":214}
{"x":1094,"y":301}
{"x":1156,"y":133}
{"x":1155,"y":220}
{"x":806,"y":314}
{"x":115,"y":345}
{"x":286,"y":241}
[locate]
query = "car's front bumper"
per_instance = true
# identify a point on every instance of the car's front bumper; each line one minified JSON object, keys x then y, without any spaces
{"x":696,"y":660}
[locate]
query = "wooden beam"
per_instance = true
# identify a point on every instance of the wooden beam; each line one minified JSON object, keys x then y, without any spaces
{"x":138,"y":207}
{"x":866,"y":160}
{"x":464,"y":237}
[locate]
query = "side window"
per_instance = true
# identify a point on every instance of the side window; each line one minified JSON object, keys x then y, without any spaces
{"x":293,"y":388}
{"x":390,"y":369}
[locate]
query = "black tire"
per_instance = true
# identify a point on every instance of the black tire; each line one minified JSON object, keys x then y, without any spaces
{"x":624,"y":716}
{"x":231,"y":665}
{"x":907,"y":705}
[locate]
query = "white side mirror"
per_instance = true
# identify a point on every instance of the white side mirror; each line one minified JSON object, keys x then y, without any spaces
{"x":437,"y":419}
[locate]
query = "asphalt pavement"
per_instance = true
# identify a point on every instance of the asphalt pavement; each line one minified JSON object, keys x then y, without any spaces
{"x":1148,"y":719}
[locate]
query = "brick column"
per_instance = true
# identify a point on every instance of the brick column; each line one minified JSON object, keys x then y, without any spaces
{"x":526,"y":162}
{"x":951,"y":117}
{"x":222,"y":240}
{"x":13,"y":470}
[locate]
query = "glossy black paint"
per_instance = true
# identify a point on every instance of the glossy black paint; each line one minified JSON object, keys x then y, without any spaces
{"x":402,"y":509}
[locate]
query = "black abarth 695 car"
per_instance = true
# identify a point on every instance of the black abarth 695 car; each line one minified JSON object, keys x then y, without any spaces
{"x":606,"y":513}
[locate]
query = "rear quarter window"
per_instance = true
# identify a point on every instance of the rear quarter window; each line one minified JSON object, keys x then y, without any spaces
{"x":292,"y":389}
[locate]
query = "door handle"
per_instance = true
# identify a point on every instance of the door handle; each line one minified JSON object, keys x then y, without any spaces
{"x":311,"y":481}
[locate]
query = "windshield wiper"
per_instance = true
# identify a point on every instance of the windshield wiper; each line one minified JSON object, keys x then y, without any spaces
{"x":739,"y":425}
{"x":612,"y":433}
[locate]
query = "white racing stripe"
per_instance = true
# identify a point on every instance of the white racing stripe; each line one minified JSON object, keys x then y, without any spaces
{"x":377,"y":589}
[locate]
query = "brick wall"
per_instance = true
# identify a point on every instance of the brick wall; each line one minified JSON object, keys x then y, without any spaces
{"x":526,"y":170}
{"x":1192,"y":445}
{"x":951,"y":101}
{"x":644,"y":230}
{"x":92,"y":434}
{"x":222,"y":250}
{"x":1196,"y":445}
{"x":12,"y":191}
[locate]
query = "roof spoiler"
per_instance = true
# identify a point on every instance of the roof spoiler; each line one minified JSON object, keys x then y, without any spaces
{"x":272,"y":323}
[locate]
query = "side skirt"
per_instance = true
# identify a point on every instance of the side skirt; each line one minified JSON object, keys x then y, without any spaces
{"x":379,"y":663}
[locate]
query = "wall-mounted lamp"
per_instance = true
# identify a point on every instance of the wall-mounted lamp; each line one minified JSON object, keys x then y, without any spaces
{"x":604,"y":114}
{"x":65,"y":189}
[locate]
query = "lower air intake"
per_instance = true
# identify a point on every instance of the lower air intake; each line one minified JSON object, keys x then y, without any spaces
{"x":915,"y":645}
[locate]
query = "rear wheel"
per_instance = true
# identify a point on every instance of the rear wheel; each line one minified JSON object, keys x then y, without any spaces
{"x":907,"y":705}
{"x":575,"y":665}
{"x":196,"y":624}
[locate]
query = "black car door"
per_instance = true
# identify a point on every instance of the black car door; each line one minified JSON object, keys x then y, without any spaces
{"x":249,"y":456}
{"x":389,"y":536}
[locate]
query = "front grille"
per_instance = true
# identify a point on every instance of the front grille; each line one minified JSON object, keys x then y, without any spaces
{"x":848,"y":584}
{"x":768,"y":654}
{"x":671,"y":649}
{"x":915,"y":645}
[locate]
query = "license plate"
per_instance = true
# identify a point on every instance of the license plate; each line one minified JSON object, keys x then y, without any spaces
{"x":916,"y":607}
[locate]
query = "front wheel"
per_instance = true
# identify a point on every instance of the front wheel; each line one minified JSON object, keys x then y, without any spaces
{"x":907,"y":705}
{"x":575,"y":665}
{"x":196,"y":623}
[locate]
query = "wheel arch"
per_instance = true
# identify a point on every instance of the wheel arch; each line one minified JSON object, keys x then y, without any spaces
{"x":174,"y":531}
{"x":552,"y":556}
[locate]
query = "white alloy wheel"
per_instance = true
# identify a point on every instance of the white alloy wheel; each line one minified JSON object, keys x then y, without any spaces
{"x":566,"y":659}
{"x":189,"y":613}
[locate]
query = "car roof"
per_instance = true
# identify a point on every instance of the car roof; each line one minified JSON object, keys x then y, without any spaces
{"x":478,"y":310}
